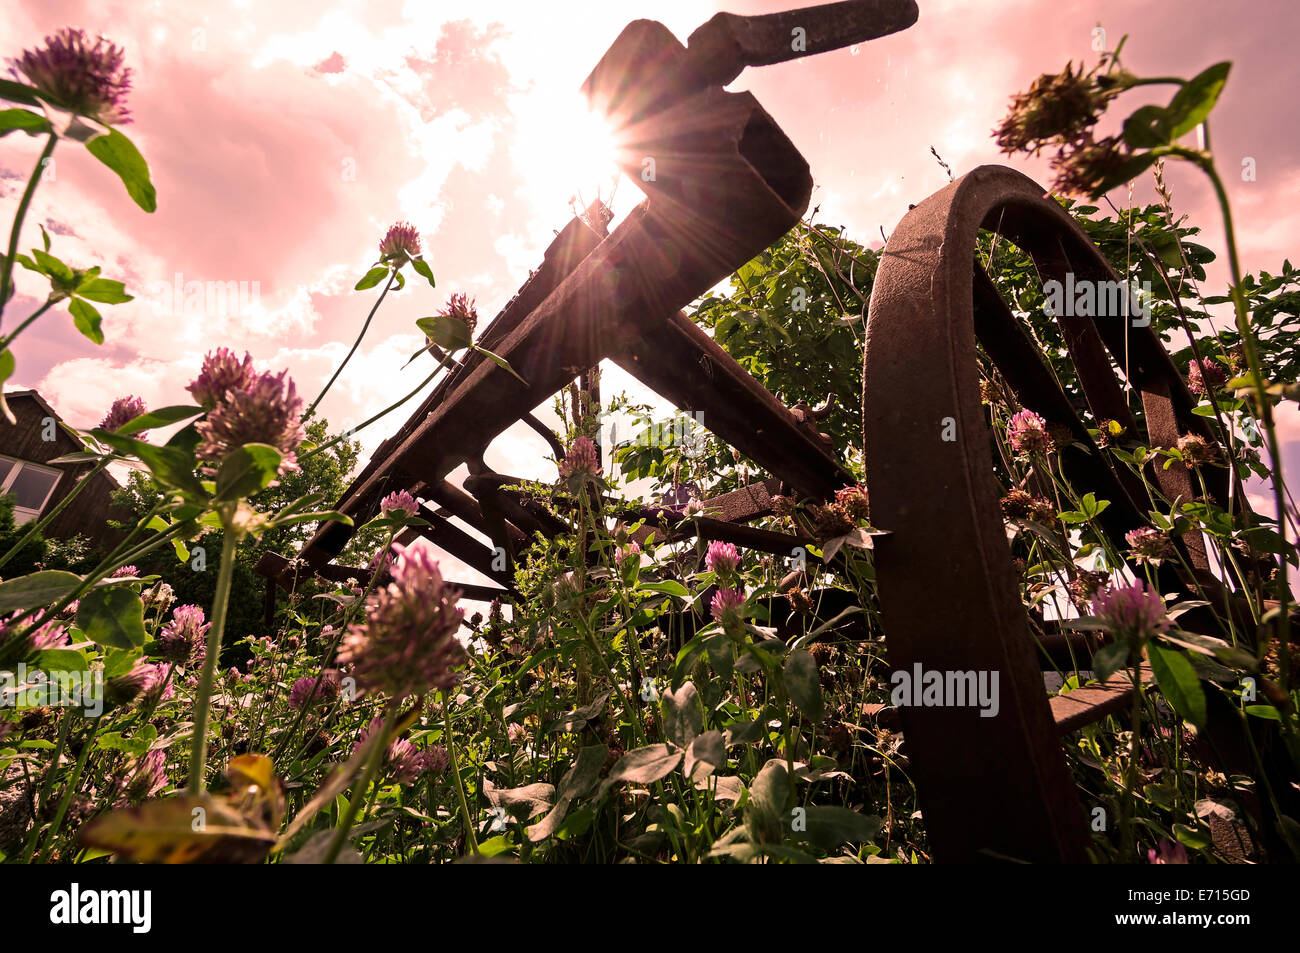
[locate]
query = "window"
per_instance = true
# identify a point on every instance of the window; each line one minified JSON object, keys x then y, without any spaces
{"x":30,"y":484}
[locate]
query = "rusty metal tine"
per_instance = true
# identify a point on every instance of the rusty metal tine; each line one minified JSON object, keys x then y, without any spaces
{"x":454,"y":540}
{"x":735,"y":406}
{"x":722,"y":48}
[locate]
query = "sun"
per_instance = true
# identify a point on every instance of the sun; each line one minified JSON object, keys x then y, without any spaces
{"x":566,"y":154}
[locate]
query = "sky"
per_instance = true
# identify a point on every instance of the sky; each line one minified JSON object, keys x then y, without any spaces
{"x":284,"y":138}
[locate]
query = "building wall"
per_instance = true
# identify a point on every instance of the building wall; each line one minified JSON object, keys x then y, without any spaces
{"x":89,"y":513}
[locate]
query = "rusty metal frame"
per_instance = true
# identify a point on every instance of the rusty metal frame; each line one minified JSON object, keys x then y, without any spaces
{"x":727,"y":184}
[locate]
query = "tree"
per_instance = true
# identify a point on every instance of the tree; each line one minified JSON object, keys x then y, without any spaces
{"x":29,"y":557}
{"x":326,"y":472}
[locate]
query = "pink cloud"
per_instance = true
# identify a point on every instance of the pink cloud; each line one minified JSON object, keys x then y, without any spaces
{"x":284,"y":139}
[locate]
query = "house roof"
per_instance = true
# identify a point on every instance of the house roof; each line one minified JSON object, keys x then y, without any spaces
{"x":36,"y":396}
{"x":44,"y":404}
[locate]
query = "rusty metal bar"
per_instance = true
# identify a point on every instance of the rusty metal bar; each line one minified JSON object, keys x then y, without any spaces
{"x":683,"y":364}
{"x":728,"y":43}
{"x":1092,"y":703}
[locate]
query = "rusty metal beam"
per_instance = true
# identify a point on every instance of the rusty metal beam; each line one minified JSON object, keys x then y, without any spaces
{"x":683,"y":364}
{"x":1091,"y":703}
{"x":465,"y":507}
{"x":516,"y":505}
{"x":728,"y":43}
{"x":450,"y":538}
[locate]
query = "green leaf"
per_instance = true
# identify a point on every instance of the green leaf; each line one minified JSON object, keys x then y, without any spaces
{"x":171,"y":467}
{"x":766,"y":820}
{"x":113,"y":616}
{"x":6,"y":372}
{"x":500,"y":362}
{"x":120,"y":154}
{"x":722,"y":654}
{"x":1193,"y":837}
{"x":80,"y":456}
{"x":1193,"y":102}
{"x":1147,"y":128}
{"x":53,"y":267}
{"x":371,"y":278}
{"x":682,"y":712}
{"x":577,"y":781}
{"x":1264,"y":711}
{"x":29,"y":122}
{"x":28,"y":264}
{"x":246,"y":470}
{"x":60,"y":660}
{"x":105,"y":291}
{"x":446,"y":331}
{"x":186,"y":439}
{"x":706,"y":753}
{"x":523,"y":803}
{"x":119,"y":661}
{"x":19,"y":93}
{"x":803,"y":685}
{"x":161,"y":417}
{"x":317,"y":517}
{"x":642,"y":766}
{"x":578,"y":719}
{"x":1177,"y":679}
{"x":669,"y":587}
{"x":87,"y":320}
{"x":828,"y":827}
{"x":1109,"y":660}
{"x":1126,"y":171}
{"x":422,"y":268}
{"x":37,"y":589}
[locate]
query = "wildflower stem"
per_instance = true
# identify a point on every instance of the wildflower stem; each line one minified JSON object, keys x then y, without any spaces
{"x":355,"y":344}
{"x":383,"y":413}
{"x":199,"y":745}
{"x":1130,"y":779}
{"x":7,"y":266}
{"x":43,"y":800}
{"x":8,"y":338}
{"x":48,"y":517}
{"x":455,"y":773}
{"x":1264,"y":407}
{"x":311,"y":696}
{"x":373,"y":761}
{"x":70,"y":791}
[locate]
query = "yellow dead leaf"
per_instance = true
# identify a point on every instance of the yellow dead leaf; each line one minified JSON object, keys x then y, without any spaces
{"x":236,"y":827}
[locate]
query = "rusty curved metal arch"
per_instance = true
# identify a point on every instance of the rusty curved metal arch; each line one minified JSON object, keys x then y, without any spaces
{"x":989,"y":786}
